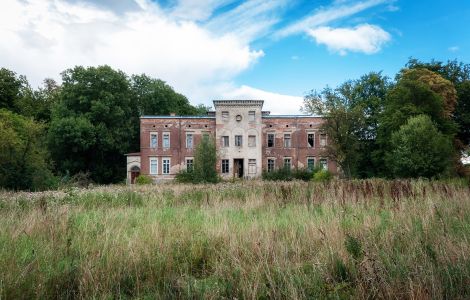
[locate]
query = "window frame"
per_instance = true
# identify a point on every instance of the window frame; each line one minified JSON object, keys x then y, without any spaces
{"x":273,"y":165}
{"x":225,"y":115}
{"x":288,"y":140}
{"x":252,"y":138}
{"x":290,"y":163}
{"x":252,"y":166}
{"x":153,"y":133}
{"x":164,"y":159}
{"x":225,"y":138}
{"x":153,"y":159}
{"x":163,"y":140}
{"x":323,"y":142}
{"x":191,"y":164}
{"x":189,"y":134}
{"x":225,"y":166}
{"x":251,"y":116}
{"x":240,"y":142}
{"x":324,"y":167}
{"x":308,"y":143}
{"x":273,"y":140}
{"x":309,"y":158}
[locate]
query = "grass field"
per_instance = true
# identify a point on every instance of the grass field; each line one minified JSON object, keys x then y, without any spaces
{"x":339,"y":240}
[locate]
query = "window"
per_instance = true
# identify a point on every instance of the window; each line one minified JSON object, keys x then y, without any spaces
{"x":287,"y":163}
{"x":311,"y":139}
{"x":251,"y":116}
{"x":189,"y":140}
{"x":225,"y":166}
{"x":166,"y":166}
{"x":270,"y":139}
{"x":153,"y":139}
{"x":287,"y":143}
{"x":323,"y":139}
{"x":189,"y":164}
{"x":324,"y":164}
{"x":252,"y":166}
{"x":225,"y":115}
{"x":270,"y":165}
{"x":310,"y":163}
{"x":224,"y":141}
{"x":153,"y":165}
{"x":166,"y":140}
{"x":252,"y":141}
{"x":238,"y":140}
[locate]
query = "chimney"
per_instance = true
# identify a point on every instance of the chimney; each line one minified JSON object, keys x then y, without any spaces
{"x":172,"y":114}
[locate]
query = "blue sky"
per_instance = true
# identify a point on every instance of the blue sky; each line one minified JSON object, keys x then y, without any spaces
{"x":208,"y":49}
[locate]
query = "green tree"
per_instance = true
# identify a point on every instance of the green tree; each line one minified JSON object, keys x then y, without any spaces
{"x":155,"y":97}
{"x":205,"y":160}
{"x":352,"y":113}
{"x":12,"y":89}
{"x":418,"y":149}
{"x":24,"y":160}
{"x":94,"y":123}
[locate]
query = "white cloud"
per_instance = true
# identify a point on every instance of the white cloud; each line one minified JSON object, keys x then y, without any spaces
{"x":42,"y":38}
{"x":454,"y":48}
{"x":363,"y":38}
{"x":324,"y":16}
{"x":274,"y":102}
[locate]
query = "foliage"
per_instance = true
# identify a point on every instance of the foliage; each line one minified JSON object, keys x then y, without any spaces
{"x":185,"y":176}
{"x":94,"y":123}
{"x":205,"y":160}
{"x":419,"y":149}
{"x":322,"y":175}
{"x":280,"y":174}
{"x":143,"y":179}
{"x":24,"y":161}
{"x":352,"y":113}
{"x":155,"y":97}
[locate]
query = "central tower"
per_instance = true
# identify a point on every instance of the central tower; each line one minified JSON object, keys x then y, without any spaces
{"x":238,"y":137}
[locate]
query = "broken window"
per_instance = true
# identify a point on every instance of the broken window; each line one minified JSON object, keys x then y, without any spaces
{"x":287,"y":140}
{"x":270,"y":139}
{"x":311,"y":139}
{"x":238,"y":141}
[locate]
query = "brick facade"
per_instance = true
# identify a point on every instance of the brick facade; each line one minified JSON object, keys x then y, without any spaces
{"x":164,"y":149}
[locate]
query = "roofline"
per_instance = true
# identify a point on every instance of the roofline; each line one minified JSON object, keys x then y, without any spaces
{"x":176,"y":117}
{"x":291,"y":116}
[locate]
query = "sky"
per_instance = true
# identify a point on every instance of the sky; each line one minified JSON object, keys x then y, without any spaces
{"x":276,"y":51}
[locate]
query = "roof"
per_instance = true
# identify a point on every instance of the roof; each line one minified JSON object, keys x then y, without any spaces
{"x":238,"y":102}
{"x":177,"y":117}
{"x":291,"y":116}
{"x":133,"y":154}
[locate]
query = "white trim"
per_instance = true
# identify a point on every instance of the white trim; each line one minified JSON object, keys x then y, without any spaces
{"x":153,"y":158}
{"x":192,"y":140}
{"x":163,"y":165}
{"x":163,"y":140}
{"x":150,"y":139}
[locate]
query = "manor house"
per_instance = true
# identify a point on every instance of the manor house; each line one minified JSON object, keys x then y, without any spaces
{"x":248,"y":140}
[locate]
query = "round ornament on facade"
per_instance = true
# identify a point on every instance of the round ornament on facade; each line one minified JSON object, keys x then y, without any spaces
{"x":238,"y":118}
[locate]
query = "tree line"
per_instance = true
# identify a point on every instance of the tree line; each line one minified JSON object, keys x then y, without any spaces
{"x":83,"y":125}
{"x":417,"y":125}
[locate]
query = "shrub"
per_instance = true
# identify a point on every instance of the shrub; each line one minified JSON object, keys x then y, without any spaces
{"x":185,"y":176}
{"x":143,"y":179}
{"x":322,"y":175}
{"x":303,"y":174}
{"x":205,"y":160}
{"x":281,"y":174}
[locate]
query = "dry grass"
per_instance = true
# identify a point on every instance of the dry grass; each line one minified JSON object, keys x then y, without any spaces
{"x":344,"y":239}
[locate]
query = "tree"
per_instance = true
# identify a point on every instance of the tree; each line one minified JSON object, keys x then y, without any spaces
{"x":155,"y":97}
{"x":24,"y":160}
{"x":94,"y":123}
{"x":352,"y":114}
{"x":342,"y":125}
{"x":418,"y":149}
{"x":205,"y":160}
{"x":12,"y":90}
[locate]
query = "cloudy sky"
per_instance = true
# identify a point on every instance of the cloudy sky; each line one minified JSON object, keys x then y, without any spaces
{"x":224,"y":49}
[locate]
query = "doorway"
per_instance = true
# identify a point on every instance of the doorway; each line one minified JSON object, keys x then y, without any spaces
{"x":135,"y":172}
{"x":238,"y":167}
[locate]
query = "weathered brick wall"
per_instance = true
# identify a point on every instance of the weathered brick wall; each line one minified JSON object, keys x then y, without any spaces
{"x":298,"y":127}
{"x":177,"y":152}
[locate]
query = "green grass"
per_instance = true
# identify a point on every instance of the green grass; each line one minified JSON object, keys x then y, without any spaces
{"x":264,"y":240}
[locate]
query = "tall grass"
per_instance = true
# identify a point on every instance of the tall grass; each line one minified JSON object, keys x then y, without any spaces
{"x":342,"y":239}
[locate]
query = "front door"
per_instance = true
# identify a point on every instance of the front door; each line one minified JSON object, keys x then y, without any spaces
{"x":238,"y":167}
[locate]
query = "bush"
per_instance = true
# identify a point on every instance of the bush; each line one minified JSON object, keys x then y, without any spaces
{"x":322,"y":175}
{"x":185,"y":176}
{"x":281,"y":174}
{"x":143,"y":179}
{"x":303,"y":174}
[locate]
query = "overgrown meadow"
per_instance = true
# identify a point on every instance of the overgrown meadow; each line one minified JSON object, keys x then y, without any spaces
{"x":341,"y":239}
